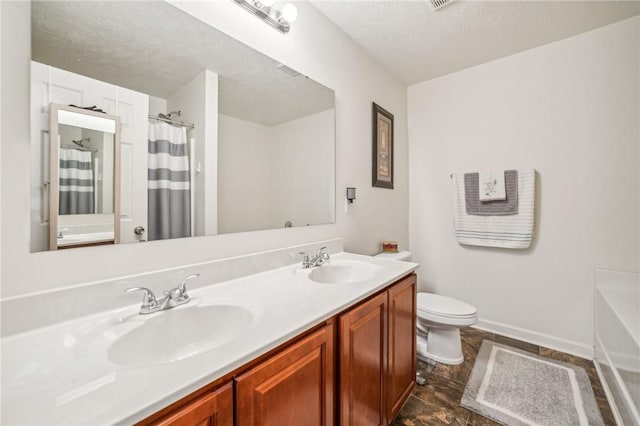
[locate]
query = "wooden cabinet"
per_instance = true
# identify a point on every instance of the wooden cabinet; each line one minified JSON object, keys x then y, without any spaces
{"x":401,"y":366}
{"x":363,"y":363}
{"x":377,"y":356}
{"x":212,"y":409}
{"x":294,"y":387}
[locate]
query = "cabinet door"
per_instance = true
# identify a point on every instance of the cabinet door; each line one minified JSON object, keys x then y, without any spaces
{"x":363,"y":358}
{"x":401,"y":377}
{"x":212,"y":409}
{"x":294,"y":387}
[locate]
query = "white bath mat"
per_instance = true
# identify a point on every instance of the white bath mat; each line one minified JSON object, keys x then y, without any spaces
{"x":517,"y":388}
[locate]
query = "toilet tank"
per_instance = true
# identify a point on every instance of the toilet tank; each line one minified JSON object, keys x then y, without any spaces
{"x":401,"y":255}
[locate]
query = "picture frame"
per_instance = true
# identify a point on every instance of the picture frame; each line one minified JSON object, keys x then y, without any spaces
{"x":382,"y":148}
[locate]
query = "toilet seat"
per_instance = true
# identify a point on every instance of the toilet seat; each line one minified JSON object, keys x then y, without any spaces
{"x":445,"y":310}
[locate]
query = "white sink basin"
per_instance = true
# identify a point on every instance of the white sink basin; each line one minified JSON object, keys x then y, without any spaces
{"x":176,"y":334}
{"x":343,"y":273}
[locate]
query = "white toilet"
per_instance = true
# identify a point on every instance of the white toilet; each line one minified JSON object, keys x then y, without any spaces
{"x":439,"y":319}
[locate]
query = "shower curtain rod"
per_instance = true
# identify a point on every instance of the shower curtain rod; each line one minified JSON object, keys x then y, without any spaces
{"x":177,"y":123}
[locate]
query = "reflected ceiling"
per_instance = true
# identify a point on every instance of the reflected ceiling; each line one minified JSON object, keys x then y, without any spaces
{"x":155,"y":48}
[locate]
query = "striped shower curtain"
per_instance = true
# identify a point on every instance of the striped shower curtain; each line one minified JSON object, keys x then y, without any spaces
{"x":169,"y":185}
{"x":76,"y":193}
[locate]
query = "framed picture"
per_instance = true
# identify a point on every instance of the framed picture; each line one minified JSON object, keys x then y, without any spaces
{"x":382,"y":165}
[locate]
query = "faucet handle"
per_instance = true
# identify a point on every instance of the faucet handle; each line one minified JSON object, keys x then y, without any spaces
{"x":321,"y":251}
{"x":182,"y":287}
{"x":148,"y":298}
{"x":306,"y":259}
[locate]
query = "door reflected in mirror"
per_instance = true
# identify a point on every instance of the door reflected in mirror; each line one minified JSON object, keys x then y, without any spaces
{"x":85,"y":177}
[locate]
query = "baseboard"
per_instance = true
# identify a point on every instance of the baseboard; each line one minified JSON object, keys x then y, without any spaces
{"x":546,"y":340}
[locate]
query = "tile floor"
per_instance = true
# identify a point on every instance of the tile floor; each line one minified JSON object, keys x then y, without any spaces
{"x":438,"y":402}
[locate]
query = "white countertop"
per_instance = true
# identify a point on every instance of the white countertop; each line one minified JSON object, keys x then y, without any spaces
{"x":62,"y":375}
{"x":88,"y":238}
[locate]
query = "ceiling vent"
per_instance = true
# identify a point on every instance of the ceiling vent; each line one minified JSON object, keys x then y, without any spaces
{"x":438,"y":4}
{"x":290,"y":71}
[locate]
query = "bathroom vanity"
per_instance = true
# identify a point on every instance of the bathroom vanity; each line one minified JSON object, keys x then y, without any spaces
{"x":359,"y":364}
{"x":334,"y":344}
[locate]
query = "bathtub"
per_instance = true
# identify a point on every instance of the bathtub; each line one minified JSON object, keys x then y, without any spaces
{"x":617,"y":341}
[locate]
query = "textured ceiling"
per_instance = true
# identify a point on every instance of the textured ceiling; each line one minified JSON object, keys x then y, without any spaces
{"x":416,"y":43}
{"x":154,"y":48}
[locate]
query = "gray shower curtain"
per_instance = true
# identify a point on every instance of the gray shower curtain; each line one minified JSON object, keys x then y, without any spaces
{"x":169,"y":202}
{"x":76,"y":190}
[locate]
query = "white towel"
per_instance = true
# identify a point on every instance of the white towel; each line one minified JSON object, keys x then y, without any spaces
{"x":492,"y":186}
{"x":515,"y":231}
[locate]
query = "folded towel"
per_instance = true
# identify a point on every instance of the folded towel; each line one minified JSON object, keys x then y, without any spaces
{"x":491,"y":185}
{"x":514,"y":231}
{"x":491,"y":208}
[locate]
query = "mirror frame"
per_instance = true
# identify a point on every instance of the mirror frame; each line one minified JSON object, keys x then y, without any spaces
{"x":54,"y":175}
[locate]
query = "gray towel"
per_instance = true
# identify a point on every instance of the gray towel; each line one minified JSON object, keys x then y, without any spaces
{"x":491,"y":208}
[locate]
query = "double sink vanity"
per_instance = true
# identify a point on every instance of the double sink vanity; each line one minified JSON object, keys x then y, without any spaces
{"x":254,"y":339}
{"x":332,"y":344}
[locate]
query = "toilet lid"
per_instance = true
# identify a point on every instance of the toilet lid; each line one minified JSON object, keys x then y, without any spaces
{"x":435,"y":304}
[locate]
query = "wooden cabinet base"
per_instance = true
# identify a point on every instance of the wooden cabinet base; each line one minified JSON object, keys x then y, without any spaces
{"x":401,"y":371}
{"x":377,"y":345}
{"x":294,"y":387}
{"x":363,"y":363}
{"x":213,"y":409}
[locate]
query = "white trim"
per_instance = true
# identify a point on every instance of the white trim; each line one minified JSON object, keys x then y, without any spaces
{"x":626,"y":405}
{"x":609,"y":395}
{"x":541,"y":339}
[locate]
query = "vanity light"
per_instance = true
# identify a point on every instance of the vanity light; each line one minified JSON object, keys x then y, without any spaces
{"x":351,"y":194}
{"x":290,"y":12}
{"x":280,"y":20}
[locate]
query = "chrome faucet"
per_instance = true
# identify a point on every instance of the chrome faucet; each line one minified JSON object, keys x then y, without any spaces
{"x":320,"y":258}
{"x":172,"y":298}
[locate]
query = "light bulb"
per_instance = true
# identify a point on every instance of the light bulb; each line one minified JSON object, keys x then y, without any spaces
{"x":290,"y":12}
{"x":267,"y":3}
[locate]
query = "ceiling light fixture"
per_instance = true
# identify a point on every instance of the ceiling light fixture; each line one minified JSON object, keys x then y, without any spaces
{"x":280,"y":20}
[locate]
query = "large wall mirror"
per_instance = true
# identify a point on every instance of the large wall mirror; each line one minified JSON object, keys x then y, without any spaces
{"x":209,"y":136}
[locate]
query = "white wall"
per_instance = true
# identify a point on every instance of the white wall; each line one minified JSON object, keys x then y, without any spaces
{"x":570,"y":110}
{"x":302,"y":184}
{"x":316,"y":48}
{"x":244,"y":172}
{"x":157,"y":105}
{"x":270,"y":175}
{"x":198,"y":102}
